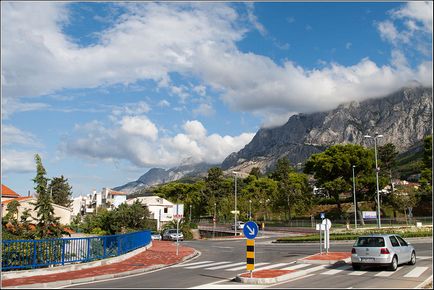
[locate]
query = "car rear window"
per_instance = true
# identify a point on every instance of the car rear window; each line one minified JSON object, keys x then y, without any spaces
{"x":370,"y":242}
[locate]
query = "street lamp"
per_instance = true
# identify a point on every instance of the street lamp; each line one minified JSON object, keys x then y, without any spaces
{"x":376,"y":136}
{"x":190,"y":212}
{"x":250,"y":209}
{"x":214,"y":220}
{"x":355,"y":202}
{"x":235,"y":212}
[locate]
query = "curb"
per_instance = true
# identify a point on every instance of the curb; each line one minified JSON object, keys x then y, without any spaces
{"x":424,"y":283}
{"x":59,"y":284}
{"x":262,"y":281}
{"x":72,"y":267}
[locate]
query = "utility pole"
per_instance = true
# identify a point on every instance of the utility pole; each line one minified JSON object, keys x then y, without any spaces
{"x":376,"y":136}
{"x":355,"y":202}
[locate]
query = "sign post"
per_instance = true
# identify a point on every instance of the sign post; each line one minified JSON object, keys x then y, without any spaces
{"x":179,"y":213}
{"x":250,"y":231}
{"x":326,"y":223}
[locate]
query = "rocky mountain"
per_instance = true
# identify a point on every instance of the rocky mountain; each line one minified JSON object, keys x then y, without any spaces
{"x":404,"y":118}
{"x":159,"y":175}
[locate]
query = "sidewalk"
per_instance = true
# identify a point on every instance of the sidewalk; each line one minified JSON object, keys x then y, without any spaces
{"x":161,"y":254}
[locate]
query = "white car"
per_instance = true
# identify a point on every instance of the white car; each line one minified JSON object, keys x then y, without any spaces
{"x":171,"y":235}
{"x":240,"y":225}
{"x":382,"y":250}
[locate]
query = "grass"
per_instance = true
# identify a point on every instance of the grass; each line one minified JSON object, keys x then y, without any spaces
{"x":352,"y":235}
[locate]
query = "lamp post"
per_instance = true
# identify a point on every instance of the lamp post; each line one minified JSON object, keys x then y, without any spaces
{"x":355,"y":202}
{"x":190,"y":212}
{"x":376,"y":136}
{"x":235,"y":212}
{"x":214,"y":220}
{"x":250,"y":209}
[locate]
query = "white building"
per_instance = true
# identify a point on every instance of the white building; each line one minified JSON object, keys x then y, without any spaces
{"x":106,"y":198}
{"x":159,"y":208}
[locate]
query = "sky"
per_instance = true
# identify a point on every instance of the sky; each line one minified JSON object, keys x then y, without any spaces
{"x":104,"y":91}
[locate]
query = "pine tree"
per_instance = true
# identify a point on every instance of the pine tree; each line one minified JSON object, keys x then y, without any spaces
{"x":60,"y":191}
{"x":47,"y":223}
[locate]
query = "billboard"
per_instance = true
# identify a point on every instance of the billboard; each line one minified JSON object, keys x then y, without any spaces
{"x":369,"y":214}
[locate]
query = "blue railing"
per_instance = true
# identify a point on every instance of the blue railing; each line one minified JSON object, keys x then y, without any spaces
{"x":23,"y":254}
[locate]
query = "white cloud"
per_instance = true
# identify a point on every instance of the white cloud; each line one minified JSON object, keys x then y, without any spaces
{"x":190,"y":39}
{"x":17,"y":161}
{"x":253,"y":19}
{"x":204,"y":110}
{"x":163,"y":103}
{"x":13,"y":135}
{"x":348,"y":45}
{"x":140,"y":126}
{"x":418,"y":11}
{"x":96,"y":141}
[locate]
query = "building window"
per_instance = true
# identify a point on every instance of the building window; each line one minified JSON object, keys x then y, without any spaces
{"x":165,"y":210}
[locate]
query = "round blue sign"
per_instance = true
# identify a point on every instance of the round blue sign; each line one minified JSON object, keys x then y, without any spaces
{"x":250,"y":230}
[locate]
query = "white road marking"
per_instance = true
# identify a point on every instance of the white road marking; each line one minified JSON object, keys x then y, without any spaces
{"x":297,"y":266}
{"x":423,"y":257}
{"x":357,"y":273}
{"x":225,"y":266}
{"x":190,"y":264}
{"x":387,"y":273}
{"x":337,"y":270}
{"x":314,"y":269}
{"x":206,"y":265}
{"x":244,"y":267}
{"x":416,"y":272}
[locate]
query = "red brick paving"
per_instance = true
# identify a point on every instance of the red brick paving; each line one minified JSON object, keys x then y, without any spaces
{"x":267,"y":273}
{"x":329,"y":256}
{"x":161,"y":252}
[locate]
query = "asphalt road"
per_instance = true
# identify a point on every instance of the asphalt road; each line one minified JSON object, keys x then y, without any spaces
{"x":221,"y":261}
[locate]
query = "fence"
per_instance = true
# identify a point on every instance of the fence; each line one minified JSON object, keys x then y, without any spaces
{"x":22,"y":254}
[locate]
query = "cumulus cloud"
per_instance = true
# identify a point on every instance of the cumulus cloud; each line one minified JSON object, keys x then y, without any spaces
{"x":17,"y":161}
{"x":204,"y":110}
{"x":199,"y":41}
{"x":137,"y":141}
{"x":13,"y":135}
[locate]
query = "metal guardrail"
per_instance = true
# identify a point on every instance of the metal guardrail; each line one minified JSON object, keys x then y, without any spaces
{"x":24,"y":254}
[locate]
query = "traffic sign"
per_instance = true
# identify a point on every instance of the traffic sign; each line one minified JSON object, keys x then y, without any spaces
{"x":322,"y":215}
{"x":250,"y":255}
{"x":250,"y":230}
{"x":327,"y":223}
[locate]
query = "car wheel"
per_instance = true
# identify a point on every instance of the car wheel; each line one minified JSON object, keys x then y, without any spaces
{"x":394,"y":264}
{"x":412,"y":259}
{"x":356,"y":267}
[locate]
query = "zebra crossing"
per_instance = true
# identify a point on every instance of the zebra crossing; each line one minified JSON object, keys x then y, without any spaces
{"x":302,"y":269}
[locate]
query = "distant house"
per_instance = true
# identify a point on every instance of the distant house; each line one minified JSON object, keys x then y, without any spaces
{"x":9,"y":195}
{"x":106,"y":198}
{"x":160,"y":209}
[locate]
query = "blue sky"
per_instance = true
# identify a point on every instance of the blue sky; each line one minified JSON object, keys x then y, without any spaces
{"x":106,"y":91}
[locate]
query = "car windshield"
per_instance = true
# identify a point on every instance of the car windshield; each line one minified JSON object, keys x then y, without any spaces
{"x":370,"y":242}
{"x":172,"y":232}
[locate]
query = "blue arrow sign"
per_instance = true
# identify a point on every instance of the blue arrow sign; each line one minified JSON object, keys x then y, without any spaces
{"x":250,"y":230}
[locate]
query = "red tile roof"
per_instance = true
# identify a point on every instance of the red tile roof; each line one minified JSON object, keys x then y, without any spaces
{"x":117,"y":192}
{"x":7,"y":192}
{"x":21,"y":198}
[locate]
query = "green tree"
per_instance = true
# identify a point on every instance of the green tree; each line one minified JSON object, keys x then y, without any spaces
{"x":426,"y":172}
{"x":60,"y":191}
{"x":387,"y":157}
{"x":255,"y":172}
{"x":12,"y":209}
{"x":47,"y":223}
{"x":332,"y":168}
{"x":258,"y":191}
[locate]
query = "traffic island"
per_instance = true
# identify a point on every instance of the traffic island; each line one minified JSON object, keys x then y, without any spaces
{"x":329,"y":258}
{"x":267,"y":276}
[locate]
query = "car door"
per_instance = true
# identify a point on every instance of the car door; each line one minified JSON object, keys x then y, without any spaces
{"x":405,"y":249}
{"x":396,"y":247}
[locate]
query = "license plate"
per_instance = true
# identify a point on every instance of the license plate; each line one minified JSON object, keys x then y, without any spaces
{"x":367,"y":259}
